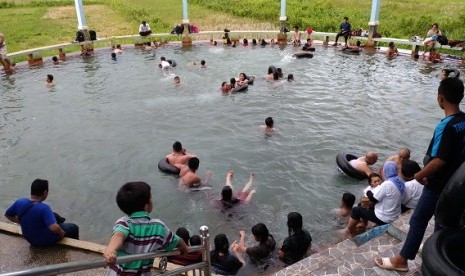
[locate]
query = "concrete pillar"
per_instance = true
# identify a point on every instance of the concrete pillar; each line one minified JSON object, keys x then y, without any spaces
{"x":415,"y":50}
{"x":186,"y":39}
{"x":282,"y":37}
{"x":326,"y":40}
{"x":374,"y":22}
{"x":81,"y":16}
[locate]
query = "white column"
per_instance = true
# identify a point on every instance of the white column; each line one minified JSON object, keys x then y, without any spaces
{"x":81,"y":16}
{"x":185,"y":19}
{"x":374,"y":18}
{"x":283,"y":11}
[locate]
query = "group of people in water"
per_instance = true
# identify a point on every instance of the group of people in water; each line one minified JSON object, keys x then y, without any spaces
{"x":227,"y":258}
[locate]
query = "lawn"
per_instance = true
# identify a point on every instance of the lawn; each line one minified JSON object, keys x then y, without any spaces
{"x":34,"y":23}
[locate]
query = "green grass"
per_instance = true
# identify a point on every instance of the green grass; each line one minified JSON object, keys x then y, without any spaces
{"x":34,"y":23}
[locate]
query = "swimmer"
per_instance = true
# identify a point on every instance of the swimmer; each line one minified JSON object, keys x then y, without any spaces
{"x":177,"y":81}
{"x":55,"y":60}
{"x":148,"y":46}
{"x":188,"y":176}
{"x":308,"y":46}
{"x":290,"y":77}
{"x":280,"y":72}
{"x":113,"y":56}
{"x":449,"y":73}
{"x":245,"y":42}
{"x":225,"y":87}
{"x":202,"y":64}
{"x":263,"y":42}
{"x":392,"y":50}
{"x":358,"y":46}
{"x":244,"y":196}
{"x":362,"y":163}
{"x":179,"y":155}
{"x":272,"y":42}
{"x":268,"y":128}
{"x":242,"y":80}
{"x":164,"y":64}
{"x":49,"y":80}
{"x":345,"y":209}
{"x":254,"y":42}
{"x":118,"y":49}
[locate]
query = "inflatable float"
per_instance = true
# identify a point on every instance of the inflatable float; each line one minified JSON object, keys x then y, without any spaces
{"x":250,"y":80}
{"x":241,"y":88}
{"x":342,"y":161}
{"x":166,"y":167}
{"x":303,"y":55}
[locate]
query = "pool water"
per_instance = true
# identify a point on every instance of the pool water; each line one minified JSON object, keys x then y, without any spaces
{"x":109,"y":122}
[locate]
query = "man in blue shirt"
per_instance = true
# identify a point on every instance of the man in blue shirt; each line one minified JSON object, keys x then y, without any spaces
{"x":345,"y":30}
{"x":38,"y":223}
{"x":445,"y":153}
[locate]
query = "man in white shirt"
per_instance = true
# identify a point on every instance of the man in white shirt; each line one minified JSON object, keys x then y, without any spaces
{"x":144,"y":29}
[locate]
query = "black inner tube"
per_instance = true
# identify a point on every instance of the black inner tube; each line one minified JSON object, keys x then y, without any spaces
{"x":165,"y":166}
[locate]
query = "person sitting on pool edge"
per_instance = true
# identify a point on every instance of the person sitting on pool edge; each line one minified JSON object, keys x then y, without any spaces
{"x":188,"y":175}
{"x":244,"y":196}
{"x":179,"y":155}
{"x":362,"y":163}
{"x":345,"y":30}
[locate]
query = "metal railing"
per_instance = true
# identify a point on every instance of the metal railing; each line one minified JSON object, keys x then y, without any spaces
{"x":203,"y":266}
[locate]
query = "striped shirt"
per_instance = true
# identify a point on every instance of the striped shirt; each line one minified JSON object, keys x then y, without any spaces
{"x":143,"y":235}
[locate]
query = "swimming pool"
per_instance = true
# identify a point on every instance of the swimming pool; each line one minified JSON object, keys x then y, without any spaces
{"x":105,"y":123}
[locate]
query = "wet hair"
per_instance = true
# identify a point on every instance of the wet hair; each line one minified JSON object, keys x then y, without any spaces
{"x":263,"y":42}
{"x":177,"y":78}
{"x":260,"y":232}
{"x":372,"y":175}
{"x":226,"y":194}
{"x":280,"y":72}
{"x":54,"y":58}
{"x":245,"y":76}
{"x":221,"y":244}
{"x":162,"y":58}
{"x":245,"y":41}
{"x":183,"y":233}
{"x":294,"y":222}
{"x":215,"y":43}
{"x":118,"y":46}
{"x":269,"y":122}
{"x":202,"y":62}
{"x":223,"y":83}
{"x":391,"y":44}
{"x":195,"y":240}
{"x":455,"y":73}
{"x":39,"y":187}
{"x":348,"y":199}
{"x":452,"y":90}
{"x":254,"y":41}
{"x":409,"y":168}
{"x":133,"y":196}
{"x":232,"y":81}
{"x":113,"y":55}
{"x":50,"y":77}
{"x":193,"y":163}
{"x":290,"y":77}
{"x":177,"y":146}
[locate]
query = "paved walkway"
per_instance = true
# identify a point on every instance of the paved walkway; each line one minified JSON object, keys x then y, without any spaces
{"x":348,"y":258}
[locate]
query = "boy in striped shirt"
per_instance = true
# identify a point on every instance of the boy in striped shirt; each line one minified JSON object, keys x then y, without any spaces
{"x":137,"y":233}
